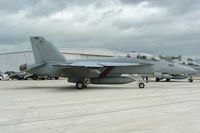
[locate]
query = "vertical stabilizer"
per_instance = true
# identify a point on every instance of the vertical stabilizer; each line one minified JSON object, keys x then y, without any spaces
{"x":45,"y":51}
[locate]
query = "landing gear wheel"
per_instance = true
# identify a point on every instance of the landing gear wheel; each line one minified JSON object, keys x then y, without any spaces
{"x":157,"y":79}
{"x":190,"y":80}
{"x":80,"y":85}
{"x":168,"y":80}
{"x":141,"y":85}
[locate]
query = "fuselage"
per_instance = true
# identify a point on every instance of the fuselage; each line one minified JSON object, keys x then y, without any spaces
{"x":148,"y":67}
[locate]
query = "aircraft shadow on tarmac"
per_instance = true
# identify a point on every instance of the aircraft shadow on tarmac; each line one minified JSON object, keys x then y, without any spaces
{"x":89,"y":87}
{"x":73,"y":88}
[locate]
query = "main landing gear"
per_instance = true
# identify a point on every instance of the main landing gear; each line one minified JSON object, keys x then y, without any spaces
{"x":157,"y":79}
{"x":81,"y":84}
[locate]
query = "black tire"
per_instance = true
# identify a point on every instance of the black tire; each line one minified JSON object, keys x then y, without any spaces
{"x":79,"y":85}
{"x":56,"y":78}
{"x":168,"y":80}
{"x":157,"y":79}
{"x":141,"y":85}
{"x":190,"y":80}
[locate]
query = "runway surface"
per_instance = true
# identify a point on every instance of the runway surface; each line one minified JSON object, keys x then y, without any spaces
{"x":56,"y":106}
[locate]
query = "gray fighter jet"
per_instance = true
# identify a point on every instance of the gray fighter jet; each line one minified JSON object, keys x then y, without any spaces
{"x":50,"y":62}
{"x":192,"y":64}
{"x":159,"y":76}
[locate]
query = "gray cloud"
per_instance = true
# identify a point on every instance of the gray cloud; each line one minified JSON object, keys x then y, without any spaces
{"x":178,"y":6}
{"x":154,"y":26}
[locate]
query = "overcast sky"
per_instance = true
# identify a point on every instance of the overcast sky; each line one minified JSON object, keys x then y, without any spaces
{"x":168,"y":27}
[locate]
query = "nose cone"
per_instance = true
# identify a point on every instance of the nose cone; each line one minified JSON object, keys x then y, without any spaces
{"x":181,"y":69}
{"x":191,"y":70}
{"x":188,"y":70}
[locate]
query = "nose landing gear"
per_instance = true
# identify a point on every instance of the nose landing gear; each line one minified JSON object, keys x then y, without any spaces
{"x":190,"y":79}
{"x":140,"y":80}
{"x":141,"y":85}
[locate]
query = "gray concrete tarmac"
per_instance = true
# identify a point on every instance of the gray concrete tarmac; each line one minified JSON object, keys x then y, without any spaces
{"x":55,"y":106}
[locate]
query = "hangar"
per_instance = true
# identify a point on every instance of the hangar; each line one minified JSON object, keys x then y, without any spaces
{"x":12,"y":60}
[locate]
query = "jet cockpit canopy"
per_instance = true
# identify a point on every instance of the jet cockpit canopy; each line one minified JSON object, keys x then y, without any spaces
{"x":144,"y":56}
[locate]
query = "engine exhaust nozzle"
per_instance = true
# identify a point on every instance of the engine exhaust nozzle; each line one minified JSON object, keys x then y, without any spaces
{"x":23,"y":67}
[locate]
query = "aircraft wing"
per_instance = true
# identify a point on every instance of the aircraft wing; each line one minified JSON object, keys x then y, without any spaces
{"x":97,"y":64}
{"x":118,"y":64}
